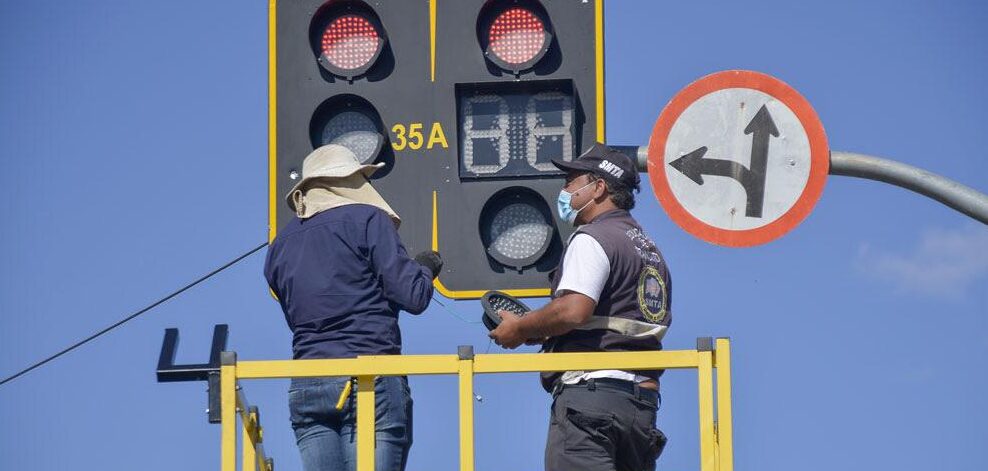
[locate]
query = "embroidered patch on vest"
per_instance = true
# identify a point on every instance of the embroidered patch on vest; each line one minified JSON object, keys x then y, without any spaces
{"x":652,"y":295}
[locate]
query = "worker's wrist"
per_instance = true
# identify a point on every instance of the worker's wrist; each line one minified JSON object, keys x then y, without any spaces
{"x":531,"y":326}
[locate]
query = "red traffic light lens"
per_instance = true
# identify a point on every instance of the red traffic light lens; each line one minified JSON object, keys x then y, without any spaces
{"x":350,"y":42}
{"x":517,"y":36}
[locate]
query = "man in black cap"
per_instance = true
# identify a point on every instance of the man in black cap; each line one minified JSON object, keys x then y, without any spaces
{"x":611,"y":292}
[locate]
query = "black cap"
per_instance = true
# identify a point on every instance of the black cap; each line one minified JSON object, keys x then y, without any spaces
{"x":611,"y":165}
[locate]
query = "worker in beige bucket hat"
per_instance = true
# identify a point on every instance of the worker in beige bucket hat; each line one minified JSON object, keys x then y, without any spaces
{"x":332,"y":177}
{"x":342,"y":275}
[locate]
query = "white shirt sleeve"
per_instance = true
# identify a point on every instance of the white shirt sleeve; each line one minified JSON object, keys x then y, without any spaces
{"x":585,"y":267}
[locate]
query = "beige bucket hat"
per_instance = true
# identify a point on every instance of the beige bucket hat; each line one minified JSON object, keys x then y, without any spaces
{"x":329,"y":161}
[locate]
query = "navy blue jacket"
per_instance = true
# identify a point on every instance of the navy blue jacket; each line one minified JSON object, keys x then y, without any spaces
{"x":341,"y":277}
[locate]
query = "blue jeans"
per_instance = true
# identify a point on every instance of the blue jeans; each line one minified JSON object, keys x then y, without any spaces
{"x":327,"y":438}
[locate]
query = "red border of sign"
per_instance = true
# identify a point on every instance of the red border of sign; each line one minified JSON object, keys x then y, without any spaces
{"x":819,"y":157}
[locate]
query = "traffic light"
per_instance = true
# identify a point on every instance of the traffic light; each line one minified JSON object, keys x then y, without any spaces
{"x":465,"y":101}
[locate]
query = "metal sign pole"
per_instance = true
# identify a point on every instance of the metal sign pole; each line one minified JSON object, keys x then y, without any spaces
{"x":962,"y":198}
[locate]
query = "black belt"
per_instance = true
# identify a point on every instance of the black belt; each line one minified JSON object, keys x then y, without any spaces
{"x":611,"y":384}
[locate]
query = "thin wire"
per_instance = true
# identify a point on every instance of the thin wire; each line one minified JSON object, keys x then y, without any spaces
{"x":142,"y":311}
{"x":451,"y":311}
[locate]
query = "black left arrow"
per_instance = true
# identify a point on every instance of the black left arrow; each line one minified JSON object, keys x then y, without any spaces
{"x":694,"y":166}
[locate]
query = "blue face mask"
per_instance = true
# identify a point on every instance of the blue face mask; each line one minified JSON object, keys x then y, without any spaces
{"x":566,"y":211}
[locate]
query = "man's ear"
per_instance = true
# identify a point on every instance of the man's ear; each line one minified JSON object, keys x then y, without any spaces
{"x":602,"y":187}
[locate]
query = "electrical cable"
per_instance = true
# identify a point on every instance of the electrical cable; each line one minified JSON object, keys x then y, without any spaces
{"x":453,"y":312}
{"x":142,"y":311}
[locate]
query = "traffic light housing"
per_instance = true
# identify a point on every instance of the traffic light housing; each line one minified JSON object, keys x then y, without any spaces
{"x":465,"y":101}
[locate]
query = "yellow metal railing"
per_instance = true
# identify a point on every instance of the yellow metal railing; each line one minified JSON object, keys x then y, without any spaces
{"x":716,"y":433}
{"x":253,"y":456}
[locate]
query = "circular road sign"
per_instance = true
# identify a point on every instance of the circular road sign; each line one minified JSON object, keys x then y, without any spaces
{"x":738,"y":158}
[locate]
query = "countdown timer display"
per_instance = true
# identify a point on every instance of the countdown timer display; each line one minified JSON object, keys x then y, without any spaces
{"x":515,"y":131}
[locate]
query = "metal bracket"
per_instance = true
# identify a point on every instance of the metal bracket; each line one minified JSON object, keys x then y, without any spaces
{"x":213,"y":398}
{"x":169,"y":372}
{"x":705,"y":344}
{"x":464,"y":352}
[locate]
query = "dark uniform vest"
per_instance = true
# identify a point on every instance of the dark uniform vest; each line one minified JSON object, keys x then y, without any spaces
{"x":633,"y":311}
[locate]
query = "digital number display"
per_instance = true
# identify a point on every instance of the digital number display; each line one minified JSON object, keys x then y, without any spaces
{"x":515,"y":131}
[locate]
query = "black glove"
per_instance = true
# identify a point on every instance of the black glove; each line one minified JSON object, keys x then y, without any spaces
{"x":431,"y":260}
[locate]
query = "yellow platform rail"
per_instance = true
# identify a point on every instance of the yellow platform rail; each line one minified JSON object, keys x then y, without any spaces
{"x":716,"y":433}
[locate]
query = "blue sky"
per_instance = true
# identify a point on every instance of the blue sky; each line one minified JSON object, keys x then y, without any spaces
{"x":134,"y":146}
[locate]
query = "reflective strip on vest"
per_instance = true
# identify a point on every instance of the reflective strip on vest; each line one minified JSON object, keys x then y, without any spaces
{"x":627,"y":327}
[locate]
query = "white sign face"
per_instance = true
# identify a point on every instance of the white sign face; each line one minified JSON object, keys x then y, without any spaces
{"x":755,"y":166}
{"x":738,"y":158}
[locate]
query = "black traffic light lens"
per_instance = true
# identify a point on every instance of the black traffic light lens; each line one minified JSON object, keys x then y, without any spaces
{"x":351,"y":122}
{"x":493,"y":302}
{"x":516,"y":228}
{"x":350,"y":42}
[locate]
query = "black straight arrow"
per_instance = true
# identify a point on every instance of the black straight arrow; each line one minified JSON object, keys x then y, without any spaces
{"x":694,"y":166}
{"x":761,"y":126}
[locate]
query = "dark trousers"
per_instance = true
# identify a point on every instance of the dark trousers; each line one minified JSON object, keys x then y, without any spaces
{"x":603,"y":425}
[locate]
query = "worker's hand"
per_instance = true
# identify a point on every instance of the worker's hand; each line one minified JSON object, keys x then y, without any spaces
{"x":507,"y":334}
{"x":432,"y":261}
